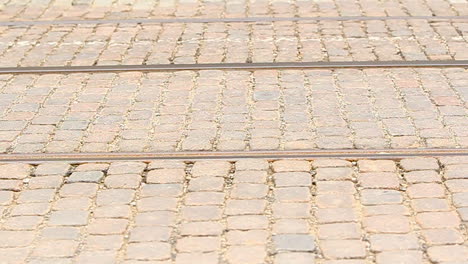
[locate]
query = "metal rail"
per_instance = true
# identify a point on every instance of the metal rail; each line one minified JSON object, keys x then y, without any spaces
{"x":226,"y":20}
{"x":234,"y":66}
{"x":233,"y":155}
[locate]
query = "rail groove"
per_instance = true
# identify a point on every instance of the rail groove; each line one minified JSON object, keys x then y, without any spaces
{"x":234,"y":66}
{"x":225,"y":20}
{"x":233,"y":155}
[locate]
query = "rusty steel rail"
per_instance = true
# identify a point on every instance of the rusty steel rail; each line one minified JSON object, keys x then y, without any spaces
{"x":225,"y":20}
{"x":233,"y":155}
{"x":234,"y":66}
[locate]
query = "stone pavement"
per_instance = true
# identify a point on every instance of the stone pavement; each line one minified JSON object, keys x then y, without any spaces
{"x":121,"y":9}
{"x":246,"y":211}
{"x":113,"y":44}
{"x":239,"y":211}
{"x":234,"y":110}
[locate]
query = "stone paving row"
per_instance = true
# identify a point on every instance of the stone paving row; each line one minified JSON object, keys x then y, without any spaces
{"x":108,"y":9}
{"x":234,"y":110}
{"x":242,"y":211}
{"x":123,"y":9}
{"x":111,"y":44}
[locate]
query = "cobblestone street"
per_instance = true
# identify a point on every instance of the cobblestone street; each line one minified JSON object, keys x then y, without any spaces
{"x":234,"y":110}
{"x":106,"y":44}
{"x":222,"y":165}
{"x":241,"y":211}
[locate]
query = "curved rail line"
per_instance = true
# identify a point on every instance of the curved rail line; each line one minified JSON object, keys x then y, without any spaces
{"x":226,"y":20}
{"x":229,"y":155}
{"x":234,"y":66}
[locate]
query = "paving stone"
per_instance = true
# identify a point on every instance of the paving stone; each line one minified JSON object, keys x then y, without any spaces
{"x":376,"y":165}
{"x":198,"y":244}
{"x":16,"y":238}
{"x":425,"y":190}
{"x":61,"y":233}
{"x":109,"y":242}
{"x":14,"y":171}
{"x":331,"y":174}
{"x":206,"y":184}
{"x":247,"y":222}
{"x":30,"y":209}
{"x":389,"y":242}
{"x":11,"y":185}
{"x":165,"y":176}
{"x":438,"y":219}
{"x":291,"y":210}
{"x":156,"y":204}
{"x":86,"y":176}
{"x":125,"y":181}
{"x":144,"y":234}
{"x":79,"y":189}
{"x":380,"y":180}
{"x":422,"y":176}
{"x":296,"y":257}
{"x":377,"y":197}
{"x":419,"y":164}
{"x":343,"y":249}
{"x":113,"y":211}
{"x":294,"y":242}
{"x":149,"y":251}
{"x":204,"y":198}
{"x":201,"y":213}
{"x":410,"y":256}
{"x":457,"y":185}
{"x":246,"y":254}
{"x":45,"y":182}
{"x":164,"y":190}
{"x":52,"y":168}
{"x":114,"y":197}
{"x":291,"y":226}
{"x":291,"y":165}
{"x":430,"y":205}
{"x":209,"y":228}
{"x":335,"y":187}
{"x":241,"y":207}
{"x":186,"y":258}
{"x":157,"y":218}
{"x":36,"y":196}
{"x":6,"y":197}
{"x":449,"y":253}
{"x":57,"y":248}
{"x":289,"y":179}
{"x":335,"y":215}
{"x":69,"y":218}
{"x":339,"y":231}
{"x":387,"y":209}
{"x":126,"y":168}
{"x":252,"y":176}
{"x":211,"y":168}
{"x":442,"y":236}
{"x":103,"y":226}
{"x":387,"y":224}
{"x":250,"y":237}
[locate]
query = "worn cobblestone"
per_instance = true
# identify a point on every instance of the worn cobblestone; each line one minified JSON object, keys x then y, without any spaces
{"x":325,"y":213}
{"x":179,"y":111}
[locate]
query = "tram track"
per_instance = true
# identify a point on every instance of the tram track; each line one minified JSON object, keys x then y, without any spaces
{"x":227,"y":155}
{"x":225,"y":20}
{"x":233,"y":66}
